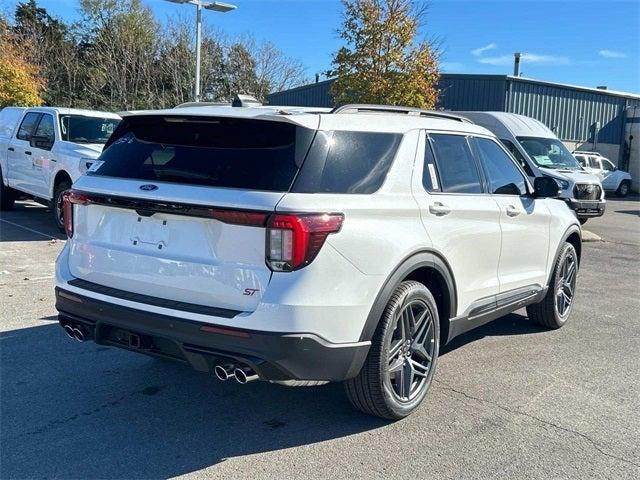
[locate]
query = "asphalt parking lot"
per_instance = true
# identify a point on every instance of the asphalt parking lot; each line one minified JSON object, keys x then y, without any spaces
{"x":509,"y":399}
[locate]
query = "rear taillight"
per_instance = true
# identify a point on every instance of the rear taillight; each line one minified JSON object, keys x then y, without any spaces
{"x":294,"y":240}
{"x":69,"y":198}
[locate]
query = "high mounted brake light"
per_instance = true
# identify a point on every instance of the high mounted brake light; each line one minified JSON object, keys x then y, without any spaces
{"x":294,"y":240}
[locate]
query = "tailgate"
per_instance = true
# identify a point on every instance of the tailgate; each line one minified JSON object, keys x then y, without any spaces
{"x":166,"y":244}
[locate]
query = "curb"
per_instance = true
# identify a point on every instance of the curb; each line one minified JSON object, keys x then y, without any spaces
{"x":588,"y":236}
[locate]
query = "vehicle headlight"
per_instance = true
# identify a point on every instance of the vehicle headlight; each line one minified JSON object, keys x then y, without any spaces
{"x":85,"y":164}
{"x":563,"y":184}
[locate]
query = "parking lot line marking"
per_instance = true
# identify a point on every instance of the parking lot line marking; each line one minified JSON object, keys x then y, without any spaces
{"x":27,"y":228}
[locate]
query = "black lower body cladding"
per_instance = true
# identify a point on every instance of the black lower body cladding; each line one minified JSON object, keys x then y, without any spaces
{"x":273,"y":356}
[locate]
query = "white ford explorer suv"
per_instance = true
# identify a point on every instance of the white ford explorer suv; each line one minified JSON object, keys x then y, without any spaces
{"x":301,"y":247}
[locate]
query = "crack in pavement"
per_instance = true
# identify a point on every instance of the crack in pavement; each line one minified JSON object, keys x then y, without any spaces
{"x":445,"y":386}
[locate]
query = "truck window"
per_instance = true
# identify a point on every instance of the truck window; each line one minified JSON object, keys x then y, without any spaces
{"x":518,"y":156}
{"x":84,"y":129}
{"x":45,"y":127}
{"x":29,"y":121}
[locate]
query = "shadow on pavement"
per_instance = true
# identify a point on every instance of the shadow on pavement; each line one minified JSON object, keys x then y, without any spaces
{"x":75,"y":410}
{"x":630,"y":212}
{"x":28,"y":222}
{"x":512,"y":324}
{"x":72,"y":410}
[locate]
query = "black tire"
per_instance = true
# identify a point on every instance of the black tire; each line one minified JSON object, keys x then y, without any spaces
{"x":56,"y":203}
{"x":623,"y":189}
{"x":547,"y":313}
{"x":7,"y":196}
{"x":375,"y":390}
{"x":582,"y":220}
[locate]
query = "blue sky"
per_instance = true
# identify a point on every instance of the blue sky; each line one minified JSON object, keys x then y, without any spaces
{"x":586,"y":43}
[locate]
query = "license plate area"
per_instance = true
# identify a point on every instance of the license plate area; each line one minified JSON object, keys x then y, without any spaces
{"x":150,"y":233}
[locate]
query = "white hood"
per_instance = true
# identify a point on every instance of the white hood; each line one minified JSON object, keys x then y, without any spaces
{"x":574,"y":176}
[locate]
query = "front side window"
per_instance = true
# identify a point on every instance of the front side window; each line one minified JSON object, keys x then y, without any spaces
{"x":549,"y":153}
{"x":83,"y":129}
{"x":29,"y":122}
{"x":456,"y":164}
{"x":607,"y":165}
{"x":502,"y":174}
{"x":45,"y":127}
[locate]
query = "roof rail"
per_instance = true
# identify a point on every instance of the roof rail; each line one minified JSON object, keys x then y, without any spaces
{"x":363,"y":108}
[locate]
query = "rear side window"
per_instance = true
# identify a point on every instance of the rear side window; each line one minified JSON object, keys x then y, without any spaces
{"x":28,"y":124}
{"x":456,"y":164}
{"x":211,"y":151}
{"x":502,"y":174}
{"x":348,"y":162}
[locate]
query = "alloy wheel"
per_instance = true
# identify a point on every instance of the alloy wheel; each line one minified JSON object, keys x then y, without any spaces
{"x":565,"y":286}
{"x":411,"y":351}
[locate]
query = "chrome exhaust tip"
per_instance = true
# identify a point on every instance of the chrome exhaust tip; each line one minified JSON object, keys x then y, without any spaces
{"x":68,"y":329}
{"x":223,"y":373}
{"x":245,"y":375}
{"x":79,"y":335}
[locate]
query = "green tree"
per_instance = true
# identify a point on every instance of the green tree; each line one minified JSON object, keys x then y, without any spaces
{"x":51,"y":48}
{"x":122,"y":46}
{"x":382,"y":61}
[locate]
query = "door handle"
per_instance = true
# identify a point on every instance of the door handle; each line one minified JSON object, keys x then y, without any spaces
{"x":439,"y":209}
{"x":513,"y":211}
{"x":11,"y":149}
{"x":27,"y":152}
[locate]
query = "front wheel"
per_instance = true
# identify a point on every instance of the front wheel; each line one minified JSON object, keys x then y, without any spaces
{"x":554,"y":310}
{"x":402,"y":359}
{"x":623,"y":189}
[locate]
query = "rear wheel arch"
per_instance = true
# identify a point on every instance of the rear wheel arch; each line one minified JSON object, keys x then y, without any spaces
{"x":572,"y":235}
{"x":428,"y":268}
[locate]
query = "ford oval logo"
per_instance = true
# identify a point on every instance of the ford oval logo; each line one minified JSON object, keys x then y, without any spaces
{"x":148,"y":187}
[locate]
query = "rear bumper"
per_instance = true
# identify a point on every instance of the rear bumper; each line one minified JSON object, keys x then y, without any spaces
{"x":587,"y":208}
{"x":274,"y":356}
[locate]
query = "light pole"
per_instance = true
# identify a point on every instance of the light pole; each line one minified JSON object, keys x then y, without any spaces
{"x":200,"y":4}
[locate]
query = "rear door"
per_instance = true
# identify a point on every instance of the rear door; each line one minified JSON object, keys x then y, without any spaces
{"x":41,"y":143}
{"x":460,"y":218}
{"x":20,"y":154}
{"x":178,"y":205}
{"x":524,"y":221}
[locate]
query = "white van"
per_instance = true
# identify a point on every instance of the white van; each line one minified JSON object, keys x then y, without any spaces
{"x":541,"y":154}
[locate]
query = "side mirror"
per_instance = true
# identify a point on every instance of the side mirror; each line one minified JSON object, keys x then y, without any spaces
{"x":41,"y":141}
{"x":545,"y":187}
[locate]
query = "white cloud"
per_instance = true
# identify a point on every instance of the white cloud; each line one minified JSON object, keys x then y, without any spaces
{"x":611,"y":54}
{"x":479,"y":51}
{"x":529,"y":58}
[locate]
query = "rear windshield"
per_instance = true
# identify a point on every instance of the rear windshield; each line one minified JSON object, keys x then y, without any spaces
{"x":217,"y":152}
{"x":247,"y":154}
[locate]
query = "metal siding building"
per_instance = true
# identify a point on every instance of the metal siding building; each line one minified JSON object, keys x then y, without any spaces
{"x":578,"y":115}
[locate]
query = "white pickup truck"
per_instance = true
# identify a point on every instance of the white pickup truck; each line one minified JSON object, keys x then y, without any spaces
{"x":43,"y":150}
